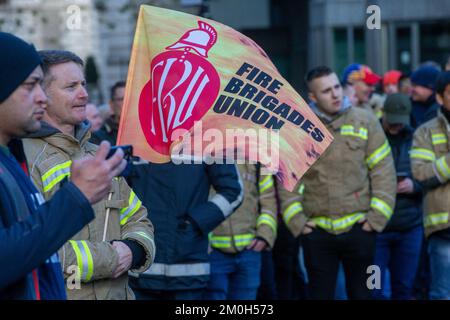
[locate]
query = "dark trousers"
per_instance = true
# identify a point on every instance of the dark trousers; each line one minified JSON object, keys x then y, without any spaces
{"x":399,"y":252}
{"x":323,"y":252}
{"x":145,"y":294}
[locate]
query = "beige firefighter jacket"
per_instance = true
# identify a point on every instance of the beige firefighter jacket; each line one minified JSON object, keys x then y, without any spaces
{"x":354,"y":179}
{"x":430,"y":162}
{"x":256,"y":217}
{"x":87,"y":255}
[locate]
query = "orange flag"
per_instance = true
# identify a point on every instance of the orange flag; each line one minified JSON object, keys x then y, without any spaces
{"x":197,"y":89}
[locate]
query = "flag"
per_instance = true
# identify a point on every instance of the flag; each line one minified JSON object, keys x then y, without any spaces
{"x":197,"y":88}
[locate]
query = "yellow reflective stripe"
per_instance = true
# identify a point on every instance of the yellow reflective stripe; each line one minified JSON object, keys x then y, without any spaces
{"x":267,"y":219}
{"x":442,"y":167}
{"x":438,"y":138}
{"x":421,"y":153}
{"x":291,"y":211}
{"x":381,"y":206}
{"x":378,"y":155}
{"x":142,"y":234}
{"x":379,"y":114}
{"x":133,"y":205}
{"x":78,"y":256}
{"x":338,"y":224}
{"x":301,"y":189}
{"x":226,"y":241}
{"x":265,"y":184}
{"x":84,"y":259}
{"x":349,"y":130}
{"x":435,"y":219}
{"x":55,"y":175}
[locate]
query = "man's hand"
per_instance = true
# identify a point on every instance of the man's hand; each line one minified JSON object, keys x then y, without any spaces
{"x":125,"y":258}
{"x":366,"y":225}
{"x":94,"y":175}
{"x":257,"y":245}
{"x":308,"y":228}
{"x":405,"y":186}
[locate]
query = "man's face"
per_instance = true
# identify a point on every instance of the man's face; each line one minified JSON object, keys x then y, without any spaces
{"x":349,"y":91}
{"x":420,"y":94}
{"x":21,"y":113}
{"x":93,"y":115}
{"x":405,"y":87}
{"x":363,"y":91}
{"x":444,"y":99}
{"x":67,"y":95}
{"x":390,"y":88}
{"x":117,"y":101}
{"x":393,"y":128}
{"x":326,"y":92}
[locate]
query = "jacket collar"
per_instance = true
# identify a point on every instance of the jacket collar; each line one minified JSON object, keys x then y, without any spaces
{"x":67,"y":143}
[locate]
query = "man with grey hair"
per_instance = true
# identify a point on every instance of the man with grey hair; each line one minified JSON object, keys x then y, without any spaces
{"x":97,"y":259}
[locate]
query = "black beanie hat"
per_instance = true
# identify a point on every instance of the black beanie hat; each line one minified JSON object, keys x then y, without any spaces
{"x":17,"y":60}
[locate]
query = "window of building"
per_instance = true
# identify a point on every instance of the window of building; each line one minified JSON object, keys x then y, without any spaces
{"x":340,"y":42}
{"x":435,"y":41}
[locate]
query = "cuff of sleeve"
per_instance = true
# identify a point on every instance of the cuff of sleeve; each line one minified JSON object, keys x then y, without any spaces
{"x":377,"y":221}
{"x":137,"y":251}
{"x":265,"y":232}
{"x":297,"y":224}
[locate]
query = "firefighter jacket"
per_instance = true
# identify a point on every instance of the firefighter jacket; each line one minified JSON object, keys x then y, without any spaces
{"x":354,"y":179}
{"x":256,"y":217}
{"x":87,"y":255}
{"x":430,"y":161}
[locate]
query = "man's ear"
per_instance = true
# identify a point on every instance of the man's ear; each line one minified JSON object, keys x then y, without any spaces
{"x":312,"y":97}
{"x":439,"y":99}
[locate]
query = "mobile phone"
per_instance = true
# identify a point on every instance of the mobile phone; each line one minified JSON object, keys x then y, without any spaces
{"x":127,"y":151}
{"x":128,"y":156}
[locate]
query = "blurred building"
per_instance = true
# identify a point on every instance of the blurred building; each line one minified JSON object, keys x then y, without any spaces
{"x":297,"y":34}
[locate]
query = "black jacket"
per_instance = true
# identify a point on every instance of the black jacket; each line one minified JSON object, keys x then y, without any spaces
{"x":408,"y":207}
{"x":176,"y":197}
{"x":422,"y":112}
{"x":31,"y":233}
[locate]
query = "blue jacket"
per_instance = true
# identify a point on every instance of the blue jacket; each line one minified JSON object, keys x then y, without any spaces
{"x":408,"y":211}
{"x":31,"y":232}
{"x":176,"y":197}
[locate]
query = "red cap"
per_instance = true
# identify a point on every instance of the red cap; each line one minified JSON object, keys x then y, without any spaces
{"x":391,"y":77}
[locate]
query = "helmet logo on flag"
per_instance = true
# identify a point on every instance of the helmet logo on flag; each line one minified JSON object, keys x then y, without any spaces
{"x":200,"y":40}
{"x":182,"y":87}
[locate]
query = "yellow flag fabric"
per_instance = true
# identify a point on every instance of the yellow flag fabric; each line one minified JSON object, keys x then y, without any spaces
{"x":198,"y":88}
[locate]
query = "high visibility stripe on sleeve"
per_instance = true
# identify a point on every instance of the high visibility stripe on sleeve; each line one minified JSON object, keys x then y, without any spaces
{"x":301,"y":189}
{"x":291,"y":211}
{"x":382,"y":207}
{"x":443,"y":169}
{"x":436,"y":219}
{"x":224,"y":242}
{"x":378,"y":155}
{"x":438,"y":138}
{"x":84,"y":259}
{"x":349,"y":130}
{"x":56,"y":175}
{"x":265,"y":218}
{"x":265,"y":184}
{"x":421,"y":153}
{"x":133,"y":205}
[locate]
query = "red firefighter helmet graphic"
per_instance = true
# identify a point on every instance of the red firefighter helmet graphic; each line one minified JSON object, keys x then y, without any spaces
{"x":182,"y":87}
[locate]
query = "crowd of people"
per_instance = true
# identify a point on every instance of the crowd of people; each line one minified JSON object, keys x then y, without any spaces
{"x":369,"y":220}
